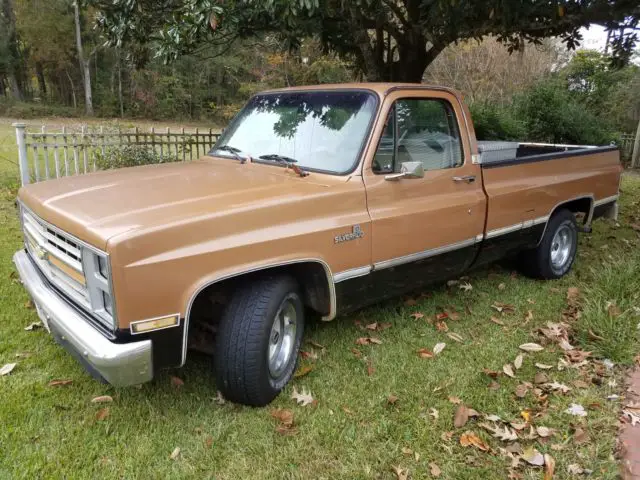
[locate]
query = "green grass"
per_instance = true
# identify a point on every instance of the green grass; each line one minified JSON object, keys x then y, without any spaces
{"x":353,"y":431}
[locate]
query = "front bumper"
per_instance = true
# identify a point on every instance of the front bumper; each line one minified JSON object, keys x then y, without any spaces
{"x":119,"y":364}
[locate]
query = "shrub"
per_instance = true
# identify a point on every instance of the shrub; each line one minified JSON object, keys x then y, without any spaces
{"x":128,"y":156}
{"x":24,"y":110}
{"x":493,"y":122}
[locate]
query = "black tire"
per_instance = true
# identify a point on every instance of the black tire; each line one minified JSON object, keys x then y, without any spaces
{"x":242,"y":366}
{"x":538,"y":262}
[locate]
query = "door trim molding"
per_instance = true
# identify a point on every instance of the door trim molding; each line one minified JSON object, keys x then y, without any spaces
{"x":432,"y":252}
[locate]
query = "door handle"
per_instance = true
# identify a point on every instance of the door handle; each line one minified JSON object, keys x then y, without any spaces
{"x":466,"y":178}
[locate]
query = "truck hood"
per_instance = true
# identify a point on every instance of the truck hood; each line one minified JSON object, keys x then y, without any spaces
{"x":99,"y":206}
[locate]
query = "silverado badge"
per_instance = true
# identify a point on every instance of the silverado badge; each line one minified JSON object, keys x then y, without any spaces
{"x":353,"y":235}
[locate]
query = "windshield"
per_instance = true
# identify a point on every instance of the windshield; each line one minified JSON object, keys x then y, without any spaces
{"x":323,"y":130}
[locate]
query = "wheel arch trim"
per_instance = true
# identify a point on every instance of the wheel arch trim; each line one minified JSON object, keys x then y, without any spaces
{"x":589,"y":214}
{"x":212,"y":281}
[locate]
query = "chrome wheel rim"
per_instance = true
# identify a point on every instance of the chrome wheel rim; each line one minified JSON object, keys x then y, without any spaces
{"x":282,"y":338}
{"x":561,"y":246}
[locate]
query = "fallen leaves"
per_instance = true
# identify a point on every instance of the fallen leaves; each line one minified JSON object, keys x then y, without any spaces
{"x":7,"y":369}
{"x":508,"y":370}
{"x":303,"y":398}
{"x":417,"y":315}
{"x":434,"y":469}
{"x":517,"y":363}
{"x":102,"y":399}
{"x":549,"y":466}
{"x":533,"y":456}
{"x":466,"y":286}
{"x":470,"y":439}
{"x":503,"y":307}
{"x":368,"y":341}
{"x":103,"y":413}
{"x":461,"y":417}
{"x":177,"y":382}
{"x":302,"y":371}
{"x":60,"y":383}
{"x":439,"y":347}
{"x":424,"y":353}
{"x":531,"y":347}
{"x":284,"y":418}
{"x":401,"y":473}
{"x":503,"y":433}
{"x":577,"y":410}
{"x":33,"y":326}
{"x":175,"y":453}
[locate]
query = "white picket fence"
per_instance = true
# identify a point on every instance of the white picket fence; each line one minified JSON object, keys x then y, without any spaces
{"x":44,"y":155}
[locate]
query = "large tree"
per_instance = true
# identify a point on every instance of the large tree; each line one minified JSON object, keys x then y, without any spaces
{"x":388,"y":39}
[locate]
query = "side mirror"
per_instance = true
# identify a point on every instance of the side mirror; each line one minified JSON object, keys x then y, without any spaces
{"x":407,"y":170}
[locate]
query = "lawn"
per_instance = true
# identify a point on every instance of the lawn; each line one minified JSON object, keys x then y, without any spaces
{"x":381,"y":410}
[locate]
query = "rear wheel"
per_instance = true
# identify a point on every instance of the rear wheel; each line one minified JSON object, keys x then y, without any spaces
{"x":258,"y":341}
{"x":554,"y":256}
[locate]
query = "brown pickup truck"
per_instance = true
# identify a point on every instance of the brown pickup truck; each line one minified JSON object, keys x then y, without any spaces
{"x":315,"y":201}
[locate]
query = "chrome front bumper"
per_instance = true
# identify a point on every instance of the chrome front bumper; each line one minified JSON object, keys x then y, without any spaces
{"x":119,"y":364}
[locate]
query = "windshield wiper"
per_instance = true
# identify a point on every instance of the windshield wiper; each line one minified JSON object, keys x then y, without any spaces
{"x":236,"y":152}
{"x":288,"y":161}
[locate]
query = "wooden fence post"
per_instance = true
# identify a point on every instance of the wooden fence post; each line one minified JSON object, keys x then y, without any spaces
{"x":22,"y":152}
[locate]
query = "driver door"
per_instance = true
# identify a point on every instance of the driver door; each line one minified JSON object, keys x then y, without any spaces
{"x":424,"y":229}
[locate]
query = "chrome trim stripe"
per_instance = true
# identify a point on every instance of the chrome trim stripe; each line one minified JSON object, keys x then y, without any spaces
{"x":414,"y":257}
{"x":610,"y":199}
{"x":504,"y":230}
{"x":155,"y":318}
{"x":352,"y":273}
{"x":327,"y":271}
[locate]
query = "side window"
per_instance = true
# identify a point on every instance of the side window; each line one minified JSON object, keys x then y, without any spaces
{"x":426,"y":130}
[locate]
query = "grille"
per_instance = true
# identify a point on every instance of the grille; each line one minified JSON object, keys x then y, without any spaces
{"x":58,"y":257}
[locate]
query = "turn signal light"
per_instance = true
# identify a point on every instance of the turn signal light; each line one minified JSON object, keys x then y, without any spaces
{"x":155,"y":324}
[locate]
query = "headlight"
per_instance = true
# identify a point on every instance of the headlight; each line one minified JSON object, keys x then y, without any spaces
{"x":97,"y":270}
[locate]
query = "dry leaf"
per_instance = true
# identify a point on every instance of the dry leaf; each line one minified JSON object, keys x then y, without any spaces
{"x":469,"y":438}
{"x":102,"y":413}
{"x":544,"y":432}
{"x":528,"y":317}
{"x":549,"y":466}
{"x":502,"y":286}
{"x":33,"y":326}
{"x":102,"y":399}
{"x":561,"y":387}
{"x":372,"y":326}
{"x":392,"y":399}
{"x":577,"y":410}
{"x":439,"y":347}
{"x":497,"y":321}
{"x":518,"y":361}
{"x":417,"y":315}
{"x":533,"y":456}
{"x":177,"y":382}
{"x":60,"y":383}
{"x":7,"y":369}
{"x":544,"y":366}
{"x":503,"y":307}
{"x":575,"y":469}
{"x":317,"y":345}
{"x":521,"y":390}
{"x":455,"y":400}
{"x":305,"y":398}
{"x":434,"y":470}
{"x":540,"y":378}
{"x":424,"y":353}
{"x":434,"y":413}
{"x":531,"y":347}
{"x":455,"y":337}
{"x":442,"y":326}
{"x":303,"y":370}
{"x":580,"y":436}
{"x":175,"y":454}
{"x":466,"y":286}
{"x":505,"y":433}
{"x":508,"y":370}
{"x":461,"y":416}
{"x":406,"y":451}
{"x":219,"y":398}
{"x":401,"y":473}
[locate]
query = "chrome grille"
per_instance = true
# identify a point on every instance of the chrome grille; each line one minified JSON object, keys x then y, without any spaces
{"x":59,"y":258}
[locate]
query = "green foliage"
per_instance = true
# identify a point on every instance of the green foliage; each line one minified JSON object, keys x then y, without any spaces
{"x":128,"y":156}
{"x":24,"y":110}
{"x":495,"y":122}
{"x":551,"y":114}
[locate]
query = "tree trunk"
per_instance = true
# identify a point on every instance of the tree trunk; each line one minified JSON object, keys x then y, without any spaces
{"x":635,"y":156}
{"x":120,"y":101}
{"x":85,"y":64}
{"x":73,"y":90}
{"x":13,"y":50}
{"x":42,"y":85}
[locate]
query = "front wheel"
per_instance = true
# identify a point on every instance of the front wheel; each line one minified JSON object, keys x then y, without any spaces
{"x":554,"y":256}
{"x":258,"y":341}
